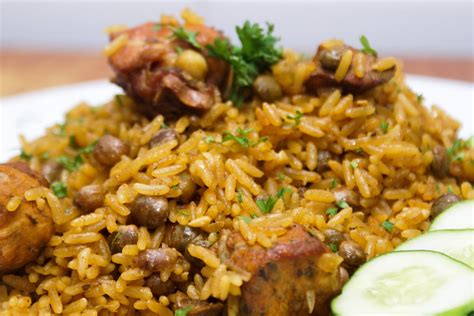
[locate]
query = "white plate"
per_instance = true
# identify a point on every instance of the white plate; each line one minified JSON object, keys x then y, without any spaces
{"x":30,"y":113}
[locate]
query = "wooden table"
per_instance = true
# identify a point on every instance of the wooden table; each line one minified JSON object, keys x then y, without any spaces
{"x":25,"y":71}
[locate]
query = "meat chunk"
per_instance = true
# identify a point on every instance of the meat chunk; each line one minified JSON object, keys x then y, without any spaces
{"x":197,"y":308}
{"x":25,"y":231}
{"x":285,"y":275}
{"x":151,"y":68}
{"x":327,"y":61}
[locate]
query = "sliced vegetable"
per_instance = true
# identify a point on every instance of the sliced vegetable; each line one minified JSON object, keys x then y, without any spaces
{"x":457,"y":216}
{"x":408,"y":283}
{"x":457,"y":244}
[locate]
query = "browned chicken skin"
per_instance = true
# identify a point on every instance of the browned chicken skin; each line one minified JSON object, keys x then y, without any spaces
{"x":283,"y":275}
{"x":147,"y":68}
{"x":327,"y":61}
{"x":25,"y":231}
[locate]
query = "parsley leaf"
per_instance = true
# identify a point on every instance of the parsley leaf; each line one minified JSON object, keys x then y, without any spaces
{"x":45,"y":155}
{"x":354,"y":164}
{"x":331,"y":211}
{"x":71,"y":164}
{"x":59,"y":189}
{"x":240,"y":196}
{"x":332,"y":247}
{"x":470,"y":142}
{"x":245,"y":219}
{"x":282,"y":192}
{"x":157,"y":27}
{"x":342,"y":204}
{"x":366,"y":46}
{"x":257,"y":53}
{"x":384,"y":127}
{"x":241,"y":138}
{"x":419,"y":98}
{"x":457,"y":146}
{"x":174,"y":187}
{"x":296,"y":117}
{"x":280,"y":176}
{"x":387,"y":226}
{"x":88,"y":149}
{"x":450,"y":188}
{"x":187,"y":36}
{"x":266,"y":205}
{"x":183,"y":311}
{"x":25,"y":156}
{"x":209,"y":139}
{"x":333,"y":183}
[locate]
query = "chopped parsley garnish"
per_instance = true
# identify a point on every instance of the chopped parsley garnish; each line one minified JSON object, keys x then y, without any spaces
{"x":178,"y":50}
{"x":450,"y":188}
{"x":354,"y":164}
{"x":174,"y":187}
{"x":359,"y":151}
{"x":342,"y":204}
{"x":72,"y":142}
{"x":257,"y":53}
{"x":266,"y":205}
{"x":241,"y":138}
{"x":183,"y":212}
{"x":332,"y":247}
{"x":280,"y":176}
{"x":209,"y":139}
{"x":458,"y":157}
{"x":331,"y":211}
{"x":25,"y":156}
{"x":71,"y":164}
{"x":61,"y":130}
{"x":245,"y":219}
{"x":183,"y":311}
{"x":387,"y":226}
{"x":470,"y":142}
{"x":88,"y":149}
{"x":59,"y":189}
{"x":457,"y":146}
{"x":384,"y":127}
{"x":163,"y":125}
{"x":419,"y":98}
{"x":366,"y":48}
{"x":282,"y":192}
{"x":157,"y":27}
{"x":118,"y":100}
{"x":45,"y":155}
{"x":333,"y":183}
{"x":240,"y":196}
{"x":297,"y":117}
{"x":187,"y":36}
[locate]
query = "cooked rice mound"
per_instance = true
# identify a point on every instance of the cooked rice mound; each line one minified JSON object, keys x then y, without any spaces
{"x":380,"y":155}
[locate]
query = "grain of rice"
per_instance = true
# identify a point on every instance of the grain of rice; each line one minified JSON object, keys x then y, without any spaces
{"x":344,"y":65}
{"x":13,"y":203}
{"x":359,"y":64}
{"x":116,"y":45}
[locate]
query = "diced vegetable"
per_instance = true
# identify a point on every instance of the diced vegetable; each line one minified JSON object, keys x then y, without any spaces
{"x":408,"y":283}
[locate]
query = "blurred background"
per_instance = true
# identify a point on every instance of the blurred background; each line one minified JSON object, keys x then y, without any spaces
{"x":47,"y":43}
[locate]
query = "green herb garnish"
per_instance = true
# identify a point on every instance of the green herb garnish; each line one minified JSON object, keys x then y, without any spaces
{"x":178,"y":50}
{"x":366,"y":46}
{"x":384,"y":127}
{"x":209,"y":139}
{"x":266,"y":205}
{"x":342,"y":204}
{"x":297,"y":117}
{"x":187,"y":36}
{"x":245,"y":219}
{"x":280,"y":176}
{"x":387,"y":226}
{"x":174,"y":187}
{"x":354,"y":164}
{"x":257,"y":53}
{"x":61,"y":130}
{"x":470,"y":142}
{"x":282,"y":192}
{"x":25,"y":156}
{"x":333,"y":183}
{"x":331,"y":211}
{"x":164,"y":125}
{"x":183,"y":311}
{"x":157,"y":27}
{"x":88,"y":149}
{"x":450,"y":188}
{"x":457,"y":146}
{"x":240,"y":196}
{"x":59,"y":189}
{"x":332,"y":247}
{"x":419,"y":98}
{"x":72,"y":142}
{"x":45,"y":155}
{"x":241,"y":138}
{"x":71,"y":164}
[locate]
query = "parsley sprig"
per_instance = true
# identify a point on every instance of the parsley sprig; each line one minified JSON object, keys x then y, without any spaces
{"x":366,"y":48}
{"x":297,"y":118}
{"x":257,"y":53}
{"x":241,"y":137}
{"x":187,"y":36}
{"x":266,"y":205}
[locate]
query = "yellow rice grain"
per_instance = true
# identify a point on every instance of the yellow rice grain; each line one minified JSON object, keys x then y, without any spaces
{"x":117,"y":44}
{"x":13,"y":203}
{"x":206,"y":255}
{"x":359,"y":64}
{"x":344,"y":65}
{"x":384,"y":64}
{"x":81,"y":238}
{"x":319,"y":195}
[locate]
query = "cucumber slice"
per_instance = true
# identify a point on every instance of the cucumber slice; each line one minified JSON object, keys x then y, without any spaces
{"x":457,"y":216}
{"x":457,"y":244}
{"x":408,"y":283}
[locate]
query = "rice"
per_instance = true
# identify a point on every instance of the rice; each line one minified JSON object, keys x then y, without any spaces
{"x":388,"y":172}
